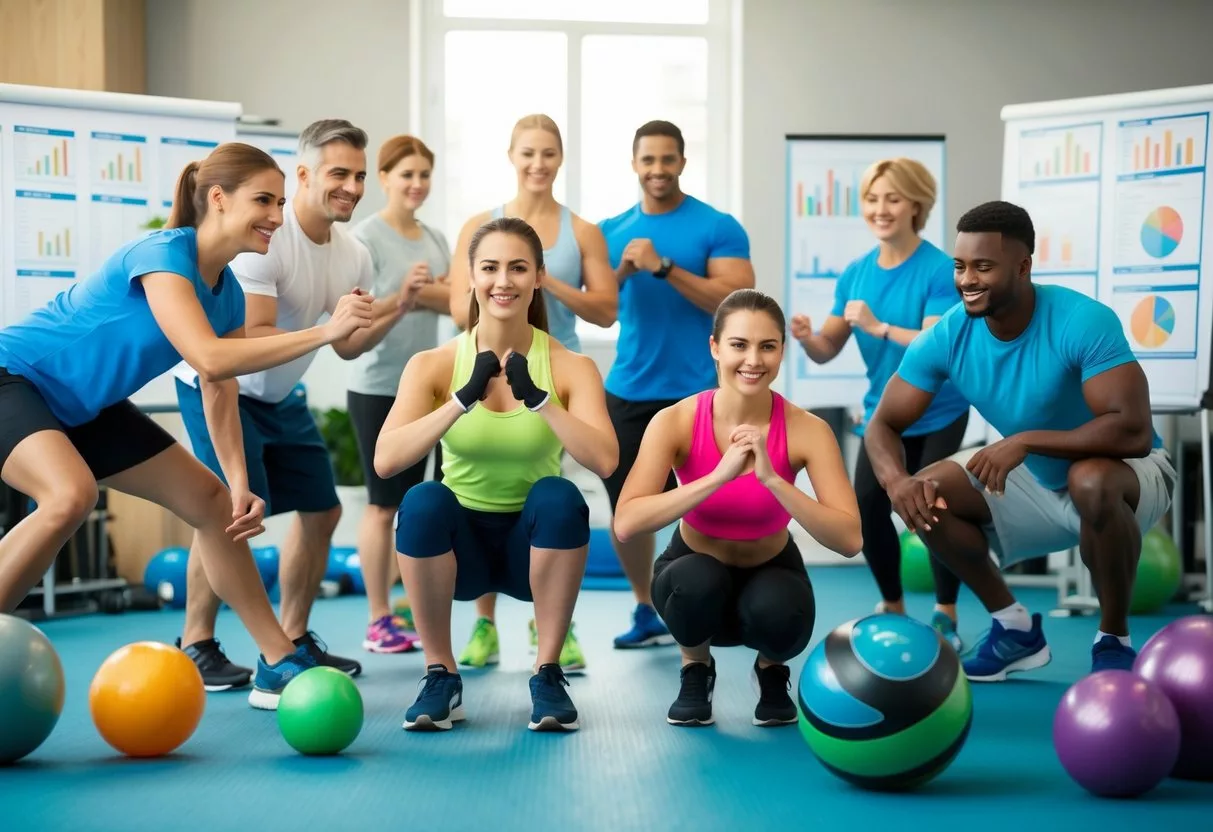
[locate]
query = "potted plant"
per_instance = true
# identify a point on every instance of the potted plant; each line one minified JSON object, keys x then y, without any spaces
{"x":338,"y":433}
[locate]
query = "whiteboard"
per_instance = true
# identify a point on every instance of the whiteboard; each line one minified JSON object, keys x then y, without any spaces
{"x":280,"y":143}
{"x":825,"y":231}
{"x":81,"y":174}
{"x":1117,"y":188}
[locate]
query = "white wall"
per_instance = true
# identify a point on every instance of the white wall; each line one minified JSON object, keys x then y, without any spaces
{"x":296,"y":60}
{"x":940,"y":66}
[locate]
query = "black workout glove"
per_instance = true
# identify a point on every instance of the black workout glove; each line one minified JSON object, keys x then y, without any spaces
{"x":487,"y":365}
{"x":518,"y":374}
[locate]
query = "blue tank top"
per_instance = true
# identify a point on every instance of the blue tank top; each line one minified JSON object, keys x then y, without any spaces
{"x":562,"y":262}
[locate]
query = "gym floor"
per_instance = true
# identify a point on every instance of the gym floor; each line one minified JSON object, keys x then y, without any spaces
{"x":625,"y":769}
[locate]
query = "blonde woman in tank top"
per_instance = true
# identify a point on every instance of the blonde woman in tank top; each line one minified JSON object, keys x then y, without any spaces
{"x":506,"y":400}
{"x":580,"y":284}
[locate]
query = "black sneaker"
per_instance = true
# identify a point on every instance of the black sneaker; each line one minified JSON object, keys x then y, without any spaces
{"x":694,"y":703}
{"x":775,"y":705}
{"x":217,"y":672}
{"x":319,"y":651}
{"x":551,"y":707}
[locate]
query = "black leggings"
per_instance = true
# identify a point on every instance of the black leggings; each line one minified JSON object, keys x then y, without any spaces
{"x":768,"y":608}
{"x":881,"y":546}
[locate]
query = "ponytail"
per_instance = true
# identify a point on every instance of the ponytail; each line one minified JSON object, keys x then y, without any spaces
{"x":184,"y":213}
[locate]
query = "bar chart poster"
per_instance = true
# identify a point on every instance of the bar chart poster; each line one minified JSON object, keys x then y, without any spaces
{"x":826,"y":231}
{"x":119,"y":163}
{"x":175,"y":154}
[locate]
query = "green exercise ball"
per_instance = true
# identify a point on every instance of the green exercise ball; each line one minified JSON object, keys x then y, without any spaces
{"x":31,"y":688}
{"x":916,"y":573}
{"x":1159,"y":573}
{"x":320,"y":711}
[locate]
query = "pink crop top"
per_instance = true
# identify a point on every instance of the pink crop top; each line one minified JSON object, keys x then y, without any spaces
{"x":743,"y":508}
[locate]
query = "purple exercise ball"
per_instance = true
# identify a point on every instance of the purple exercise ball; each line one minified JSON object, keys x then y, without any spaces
{"x":1116,"y":734}
{"x":1179,"y":660}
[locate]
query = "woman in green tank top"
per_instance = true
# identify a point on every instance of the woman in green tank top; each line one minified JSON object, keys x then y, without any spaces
{"x":505,"y":400}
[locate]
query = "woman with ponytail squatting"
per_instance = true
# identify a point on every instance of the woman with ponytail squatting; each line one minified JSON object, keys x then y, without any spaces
{"x":732,"y":574}
{"x":68,"y":369}
{"x":505,"y":399}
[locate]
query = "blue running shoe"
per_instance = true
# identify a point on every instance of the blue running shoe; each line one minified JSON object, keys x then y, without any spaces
{"x":647,"y":630}
{"x":551,"y":707}
{"x":440,"y":703}
{"x":1002,"y":651}
{"x":942,"y":622}
{"x":1109,"y":654}
{"x":272,"y":679}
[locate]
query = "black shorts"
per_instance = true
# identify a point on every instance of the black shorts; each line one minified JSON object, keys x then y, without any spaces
{"x":367,"y":415}
{"x":119,"y":438}
{"x":630,"y":419}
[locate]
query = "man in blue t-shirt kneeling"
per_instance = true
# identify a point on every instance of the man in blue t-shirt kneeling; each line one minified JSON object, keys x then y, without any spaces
{"x":676,"y":258}
{"x":1051,"y":370}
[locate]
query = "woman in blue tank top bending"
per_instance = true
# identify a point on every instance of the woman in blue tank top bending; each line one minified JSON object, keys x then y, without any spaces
{"x":580,"y":284}
{"x":68,"y":369}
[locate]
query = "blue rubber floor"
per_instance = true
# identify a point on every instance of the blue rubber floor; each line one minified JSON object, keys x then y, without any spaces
{"x":625,"y":769}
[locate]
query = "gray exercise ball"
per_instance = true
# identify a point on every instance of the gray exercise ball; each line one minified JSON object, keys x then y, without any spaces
{"x":31,"y":688}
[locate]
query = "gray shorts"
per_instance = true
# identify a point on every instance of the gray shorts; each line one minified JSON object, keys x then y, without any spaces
{"x":1031,"y":520}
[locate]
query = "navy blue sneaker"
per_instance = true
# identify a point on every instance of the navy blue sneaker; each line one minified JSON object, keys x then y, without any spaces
{"x":272,"y":679}
{"x":440,"y":703}
{"x":551,"y":707}
{"x":694,"y":703}
{"x":1109,"y":654}
{"x":647,"y":630}
{"x":1002,"y":651}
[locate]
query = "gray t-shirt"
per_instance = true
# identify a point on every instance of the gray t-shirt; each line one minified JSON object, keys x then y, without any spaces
{"x":377,"y":372}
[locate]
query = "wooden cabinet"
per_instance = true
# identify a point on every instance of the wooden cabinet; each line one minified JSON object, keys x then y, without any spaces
{"x":75,"y":44}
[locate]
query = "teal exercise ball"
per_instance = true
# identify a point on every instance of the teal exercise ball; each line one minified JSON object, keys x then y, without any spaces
{"x":31,"y":688}
{"x":884,"y":703}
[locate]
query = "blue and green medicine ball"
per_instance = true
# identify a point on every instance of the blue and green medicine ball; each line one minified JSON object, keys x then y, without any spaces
{"x":884,"y":702}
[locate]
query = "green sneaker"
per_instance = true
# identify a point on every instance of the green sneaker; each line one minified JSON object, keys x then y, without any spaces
{"x":571,"y":657}
{"x":482,"y":646}
{"x":947,"y":628}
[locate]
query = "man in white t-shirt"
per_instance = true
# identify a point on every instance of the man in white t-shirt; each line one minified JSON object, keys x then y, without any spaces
{"x":312,"y":262}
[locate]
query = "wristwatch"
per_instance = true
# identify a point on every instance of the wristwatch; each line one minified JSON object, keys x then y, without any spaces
{"x":666,"y":265}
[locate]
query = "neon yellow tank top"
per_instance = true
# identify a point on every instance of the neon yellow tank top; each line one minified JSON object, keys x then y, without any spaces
{"x":490,"y":459}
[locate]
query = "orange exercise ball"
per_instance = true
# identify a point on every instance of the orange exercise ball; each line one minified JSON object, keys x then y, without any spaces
{"x":147,"y":698}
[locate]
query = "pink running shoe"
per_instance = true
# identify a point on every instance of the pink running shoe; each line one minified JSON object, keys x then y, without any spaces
{"x":384,"y":636}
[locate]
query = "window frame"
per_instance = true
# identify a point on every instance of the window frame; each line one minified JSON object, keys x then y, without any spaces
{"x":429,"y":25}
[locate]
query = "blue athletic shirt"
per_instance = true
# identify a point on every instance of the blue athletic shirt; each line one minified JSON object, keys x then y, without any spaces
{"x":1033,"y":382}
{"x":97,"y":343}
{"x":921,"y":287}
{"x":662,"y":352}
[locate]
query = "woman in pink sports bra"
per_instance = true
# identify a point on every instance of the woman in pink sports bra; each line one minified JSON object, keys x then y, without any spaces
{"x":732,"y":575}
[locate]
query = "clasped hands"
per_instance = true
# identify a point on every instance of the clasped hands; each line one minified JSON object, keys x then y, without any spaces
{"x":746,"y":443}
{"x":916,"y":498}
{"x":517,"y":373}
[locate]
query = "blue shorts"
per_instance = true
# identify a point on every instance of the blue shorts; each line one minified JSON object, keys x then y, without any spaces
{"x":492,"y":549}
{"x":288,"y":463}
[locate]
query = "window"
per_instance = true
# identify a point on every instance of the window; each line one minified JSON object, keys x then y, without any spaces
{"x":610,"y":11}
{"x":474,"y":173}
{"x":670,"y":83}
{"x":600,"y":69}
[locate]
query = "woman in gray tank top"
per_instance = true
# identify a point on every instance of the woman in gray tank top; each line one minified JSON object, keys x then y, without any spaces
{"x":579,"y":283}
{"x":405,"y":253}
